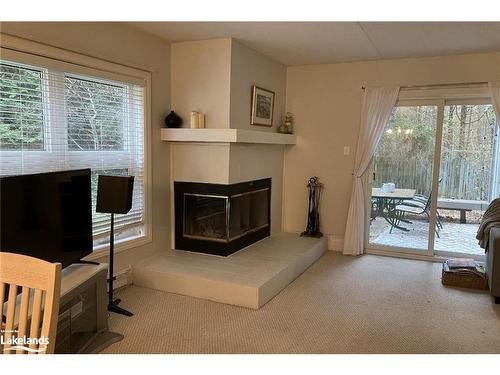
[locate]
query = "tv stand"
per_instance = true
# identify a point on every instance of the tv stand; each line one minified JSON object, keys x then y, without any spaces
{"x":86,"y":262}
{"x":83,"y":315}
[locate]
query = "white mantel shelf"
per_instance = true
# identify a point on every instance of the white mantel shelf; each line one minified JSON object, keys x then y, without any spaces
{"x":226,"y":136}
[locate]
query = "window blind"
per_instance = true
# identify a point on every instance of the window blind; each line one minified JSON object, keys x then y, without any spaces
{"x":52,"y":120}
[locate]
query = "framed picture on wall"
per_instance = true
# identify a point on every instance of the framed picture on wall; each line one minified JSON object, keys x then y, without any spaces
{"x":262,"y":106}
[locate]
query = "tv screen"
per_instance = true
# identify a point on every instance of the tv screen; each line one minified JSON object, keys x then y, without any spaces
{"x":47,"y":215}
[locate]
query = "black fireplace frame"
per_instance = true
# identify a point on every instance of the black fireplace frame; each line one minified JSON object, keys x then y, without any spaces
{"x":215,"y":247}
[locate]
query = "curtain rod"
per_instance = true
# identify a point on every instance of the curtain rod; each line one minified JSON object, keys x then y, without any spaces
{"x":441,"y":85}
{"x":22,"y":50}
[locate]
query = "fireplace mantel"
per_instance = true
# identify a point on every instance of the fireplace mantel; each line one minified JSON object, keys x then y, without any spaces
{"x":226,"y":136}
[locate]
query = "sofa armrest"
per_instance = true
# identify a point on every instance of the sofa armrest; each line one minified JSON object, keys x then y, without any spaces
{"x":493,"y":262}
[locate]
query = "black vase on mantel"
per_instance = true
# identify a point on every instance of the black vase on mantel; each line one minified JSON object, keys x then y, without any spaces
{"x":173,"y":120}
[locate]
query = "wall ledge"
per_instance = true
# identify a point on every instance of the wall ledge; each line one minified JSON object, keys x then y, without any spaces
{"x":226,"y":136}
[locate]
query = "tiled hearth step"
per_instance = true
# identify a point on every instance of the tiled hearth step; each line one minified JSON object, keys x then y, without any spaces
{"x":248,"y":278}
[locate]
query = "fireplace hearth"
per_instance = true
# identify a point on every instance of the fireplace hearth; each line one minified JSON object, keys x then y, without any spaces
{"x":221,"y":219}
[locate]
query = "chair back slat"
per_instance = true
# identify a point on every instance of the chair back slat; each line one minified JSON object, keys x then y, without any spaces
{"x":35,"y":317}
{"x":2,"y":300}
{"x":37,"y":305}
{"x":50,"y":315}
{"x":11,"y":311}
{"x":23,"y":315}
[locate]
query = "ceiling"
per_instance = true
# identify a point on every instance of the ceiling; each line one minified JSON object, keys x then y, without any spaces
{"x":300,"y":43}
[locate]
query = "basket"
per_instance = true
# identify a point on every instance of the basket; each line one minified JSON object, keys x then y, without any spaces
{"x":465,"y":277}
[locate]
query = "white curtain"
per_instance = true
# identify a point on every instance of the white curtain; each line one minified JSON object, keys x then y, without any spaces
{"x":375,"y":112}
{"x":495,"y":97}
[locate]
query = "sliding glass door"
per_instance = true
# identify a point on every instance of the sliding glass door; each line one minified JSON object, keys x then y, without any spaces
{"x":467,"y":184}
{"x":402,"y":172}
{"x":434,"y":173}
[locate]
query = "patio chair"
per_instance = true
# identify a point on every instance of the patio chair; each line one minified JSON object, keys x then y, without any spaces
{"x":423,"y":202}
{"x":374,"y":210}
{"x":419,"y":205}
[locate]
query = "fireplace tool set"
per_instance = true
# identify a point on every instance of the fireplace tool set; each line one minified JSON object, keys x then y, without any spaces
{"x":315,"y":187}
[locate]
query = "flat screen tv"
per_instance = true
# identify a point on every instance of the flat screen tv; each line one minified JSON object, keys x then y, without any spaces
{"x":47,"y":215}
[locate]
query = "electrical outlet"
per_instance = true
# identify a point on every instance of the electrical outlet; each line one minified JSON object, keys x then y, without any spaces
{"x":347,"y":150}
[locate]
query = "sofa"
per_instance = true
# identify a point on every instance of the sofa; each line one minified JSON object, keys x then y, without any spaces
{"x":493,"y":263}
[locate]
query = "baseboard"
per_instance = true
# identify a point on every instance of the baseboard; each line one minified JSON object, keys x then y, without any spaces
{"x":123,"y":278}
{"x":335,"y":243}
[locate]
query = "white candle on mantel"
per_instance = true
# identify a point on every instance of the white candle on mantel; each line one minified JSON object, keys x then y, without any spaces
{"x":201,"y":120}
{"x":194,"y":120}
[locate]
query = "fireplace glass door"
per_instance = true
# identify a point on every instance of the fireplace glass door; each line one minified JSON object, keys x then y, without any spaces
{"x":208,"y":217}
{"x":205,"y":217}
{"x":221,"y":219}
{"x":248,"y":212}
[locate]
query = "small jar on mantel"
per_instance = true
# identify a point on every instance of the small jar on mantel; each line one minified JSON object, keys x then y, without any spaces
{"x":197,"y":120}
{"x":173,"y":120}
{"x":288,"y":123}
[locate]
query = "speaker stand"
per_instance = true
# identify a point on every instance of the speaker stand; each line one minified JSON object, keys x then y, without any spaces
{"x":113,"y":307}
{"x":113,"y":303}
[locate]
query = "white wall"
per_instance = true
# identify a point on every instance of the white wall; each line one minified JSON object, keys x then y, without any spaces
{"x":124,"y":45}
{"x":249,"y":67}
{"x":201,"y":80}
{"x":326,"y":102}
{"x":201,"y":162}
{"x":215,"y":77}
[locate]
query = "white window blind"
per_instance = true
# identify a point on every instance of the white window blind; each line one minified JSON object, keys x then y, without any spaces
{"x":53,"y":120}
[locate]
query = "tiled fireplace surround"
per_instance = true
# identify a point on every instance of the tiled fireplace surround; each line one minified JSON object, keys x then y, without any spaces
{"x":230,"y":169}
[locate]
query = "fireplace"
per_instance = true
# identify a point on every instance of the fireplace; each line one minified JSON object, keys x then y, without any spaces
{"x":221,"y":219}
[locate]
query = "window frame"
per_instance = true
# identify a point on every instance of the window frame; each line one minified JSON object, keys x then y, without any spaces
{"x":46,"y":58}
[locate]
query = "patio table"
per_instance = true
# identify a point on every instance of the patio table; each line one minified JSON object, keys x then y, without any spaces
{"x":386,"y":204}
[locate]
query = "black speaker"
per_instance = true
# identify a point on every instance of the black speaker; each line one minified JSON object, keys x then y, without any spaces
{"x":114,"y":194}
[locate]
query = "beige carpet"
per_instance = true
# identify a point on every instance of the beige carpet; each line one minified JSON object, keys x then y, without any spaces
{"x":340,"y":304}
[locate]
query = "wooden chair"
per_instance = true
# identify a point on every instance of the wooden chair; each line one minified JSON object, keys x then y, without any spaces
{"x":41,"y":288}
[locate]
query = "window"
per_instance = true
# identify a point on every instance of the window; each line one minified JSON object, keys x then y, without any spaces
{"x":21,"y":113}
{"x":96,"y":114}
{"x":57,"y":119}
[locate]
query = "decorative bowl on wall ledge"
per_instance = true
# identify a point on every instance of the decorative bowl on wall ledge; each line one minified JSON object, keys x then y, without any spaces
{"x":173,"y":120}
